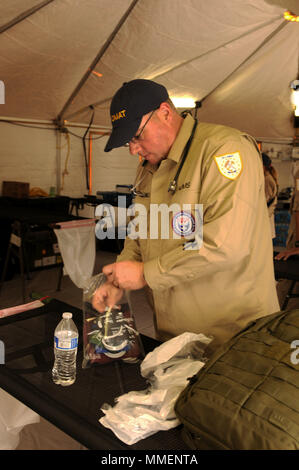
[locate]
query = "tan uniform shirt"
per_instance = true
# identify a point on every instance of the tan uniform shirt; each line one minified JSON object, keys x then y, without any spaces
{"x":293,"y":236}
{"x":217,"y":288}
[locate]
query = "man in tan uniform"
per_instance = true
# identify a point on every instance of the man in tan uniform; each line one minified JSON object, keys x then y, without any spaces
{"x":215,"y":285}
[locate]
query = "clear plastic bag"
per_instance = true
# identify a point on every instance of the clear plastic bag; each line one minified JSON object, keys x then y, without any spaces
{"x":110,"y":335}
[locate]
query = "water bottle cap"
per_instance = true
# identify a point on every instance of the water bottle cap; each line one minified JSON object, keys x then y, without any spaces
{"x":67,"y":315}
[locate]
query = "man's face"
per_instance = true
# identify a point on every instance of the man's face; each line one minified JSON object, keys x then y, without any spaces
{"x":154,"y":142}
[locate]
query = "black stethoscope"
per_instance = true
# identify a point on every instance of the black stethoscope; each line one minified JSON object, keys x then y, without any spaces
{"x":173,"y":184}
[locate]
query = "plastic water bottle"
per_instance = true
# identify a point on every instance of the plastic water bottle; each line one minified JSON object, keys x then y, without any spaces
{"x":65,"y":350}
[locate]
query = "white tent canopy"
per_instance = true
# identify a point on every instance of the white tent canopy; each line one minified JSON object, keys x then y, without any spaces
{"x":238,"y":56}
{"x":64,"y":59}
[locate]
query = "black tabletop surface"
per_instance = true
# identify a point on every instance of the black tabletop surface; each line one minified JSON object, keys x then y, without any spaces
{"x":26,"y":374}
{"x":39,"y":210}
{"x":287,"y":269}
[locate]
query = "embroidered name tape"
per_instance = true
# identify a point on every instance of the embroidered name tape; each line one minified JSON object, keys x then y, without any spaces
{"x":229,"y":165}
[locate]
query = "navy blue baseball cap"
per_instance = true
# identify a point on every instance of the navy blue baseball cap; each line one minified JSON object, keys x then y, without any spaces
{"x":129,"y":104}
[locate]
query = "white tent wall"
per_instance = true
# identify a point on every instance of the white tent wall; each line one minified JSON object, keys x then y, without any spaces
{"x":109,"y":169}
{"x":28,"y":154}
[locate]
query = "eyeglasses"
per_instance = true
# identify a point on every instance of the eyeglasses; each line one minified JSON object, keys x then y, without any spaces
{"x":136,"y":138}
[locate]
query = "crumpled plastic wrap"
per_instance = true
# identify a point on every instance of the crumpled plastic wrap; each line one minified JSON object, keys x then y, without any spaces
{"x":139,"y":414}
{"x":14,"y":415}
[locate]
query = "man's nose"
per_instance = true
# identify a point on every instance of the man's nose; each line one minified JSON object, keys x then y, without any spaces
{"x":134,"y":147}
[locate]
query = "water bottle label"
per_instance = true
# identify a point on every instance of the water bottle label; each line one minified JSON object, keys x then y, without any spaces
{"x":66,"y":343}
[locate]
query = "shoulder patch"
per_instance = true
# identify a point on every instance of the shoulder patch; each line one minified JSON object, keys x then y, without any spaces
{"x":229,"y":165}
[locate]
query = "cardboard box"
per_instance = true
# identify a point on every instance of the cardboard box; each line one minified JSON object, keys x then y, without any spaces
{"x":15,"y":189}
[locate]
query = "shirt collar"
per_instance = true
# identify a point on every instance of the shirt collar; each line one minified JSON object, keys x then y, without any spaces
{"x":181,"y":140}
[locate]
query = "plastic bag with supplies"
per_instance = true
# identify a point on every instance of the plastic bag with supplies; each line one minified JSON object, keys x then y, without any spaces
{"x":137,"y":415}
{"x":110,"y":335}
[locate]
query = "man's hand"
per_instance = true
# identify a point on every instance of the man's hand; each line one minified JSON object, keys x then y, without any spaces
{"x":125,"y":274}
{"x":284,"y":255}
{"x":106,"y":295}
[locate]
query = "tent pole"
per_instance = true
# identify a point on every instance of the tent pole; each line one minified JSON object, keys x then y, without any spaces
{"x":24,"y":15}
{"x":58,"y":161}
{"x":96,"y":60}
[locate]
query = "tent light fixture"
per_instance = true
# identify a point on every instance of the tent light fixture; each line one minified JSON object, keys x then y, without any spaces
{"x":289,"y":16}
{"x":295,"y":96}
{"x":183,"y":101}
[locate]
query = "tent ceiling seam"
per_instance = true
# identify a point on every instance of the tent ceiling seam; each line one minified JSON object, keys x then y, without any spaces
{"x":24,"y":15}
{"x":98,"y":57}
{"x":182,"y":64}
{"x":265,"y":41}
{"x":218,"y":47}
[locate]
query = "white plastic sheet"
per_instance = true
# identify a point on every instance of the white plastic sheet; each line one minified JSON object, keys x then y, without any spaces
{"x":13,"y":417}
{"x":138,"y":415}
{"x":76,"y":240}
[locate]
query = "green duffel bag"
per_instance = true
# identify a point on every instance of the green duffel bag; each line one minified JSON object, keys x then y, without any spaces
{"x":246,"y":397}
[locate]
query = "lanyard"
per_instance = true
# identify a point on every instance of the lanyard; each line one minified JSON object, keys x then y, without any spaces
{"x":173,"y":184}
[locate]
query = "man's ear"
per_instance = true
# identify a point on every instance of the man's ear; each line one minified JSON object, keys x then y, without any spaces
{"x":165,"y":111}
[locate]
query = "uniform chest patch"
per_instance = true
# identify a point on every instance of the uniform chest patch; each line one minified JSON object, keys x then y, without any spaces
{"x":229,"y":165}
{"x":183,"y":223}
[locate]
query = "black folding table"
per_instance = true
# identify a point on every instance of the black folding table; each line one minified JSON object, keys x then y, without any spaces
{"x":26,"y":375}
{"x":288,"y":269}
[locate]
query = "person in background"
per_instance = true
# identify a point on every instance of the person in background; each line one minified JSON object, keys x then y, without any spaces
{"x":214,"y":283}
{"x":284,"y":255}
{"x":292,"y":247}
{"x":293,"y":234}
{"x":271,"y":189}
